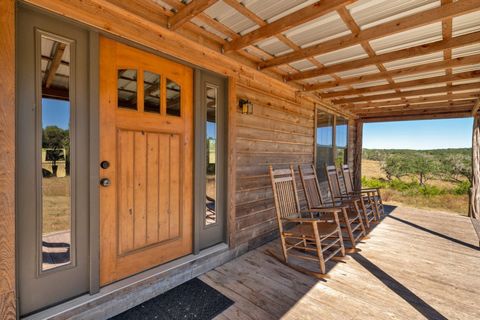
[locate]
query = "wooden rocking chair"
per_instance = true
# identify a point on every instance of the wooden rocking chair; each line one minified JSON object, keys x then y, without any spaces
{"x":365,"y":200}
{"x":373,"y":193}
{"x":352,"y":221}
{"x":313,"y":239}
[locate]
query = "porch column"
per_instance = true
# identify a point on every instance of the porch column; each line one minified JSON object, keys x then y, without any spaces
{"x":474,"y":210}
{"x":7,"y":160}
{"x":357,"y":160}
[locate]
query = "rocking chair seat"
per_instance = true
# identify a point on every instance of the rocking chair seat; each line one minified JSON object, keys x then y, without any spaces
{"x":324,"y":230}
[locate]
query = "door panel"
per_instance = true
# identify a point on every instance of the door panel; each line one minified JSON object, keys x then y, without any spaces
{"x":146,"y":136}
{"x":53,"y":161}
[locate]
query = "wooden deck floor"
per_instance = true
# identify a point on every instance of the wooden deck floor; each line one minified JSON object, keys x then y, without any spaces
{"x":417,"y":264}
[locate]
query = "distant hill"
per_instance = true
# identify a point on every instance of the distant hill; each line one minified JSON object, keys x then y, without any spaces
{"x":382,"y":154}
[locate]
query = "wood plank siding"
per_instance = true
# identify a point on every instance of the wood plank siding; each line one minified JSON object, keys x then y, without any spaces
{"x":279,"y":132}
{"x":7,"y":160}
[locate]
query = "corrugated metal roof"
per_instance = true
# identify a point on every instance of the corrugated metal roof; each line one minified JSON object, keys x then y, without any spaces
{"x":466,"y":50}
{"x":225,"y":14}
{"x":422,"y":75}
{"x":369,"y":13}
{"x":274,"y":47}
{"x":318,"y":30}
{"x":409,"y":38}
{"x":466,"y":24}
{"x":303,"y":65}
{"x":343,"y":55}
{"x":369,"y":84}
{"x":414,"y":61}
{"x":358,"y":72}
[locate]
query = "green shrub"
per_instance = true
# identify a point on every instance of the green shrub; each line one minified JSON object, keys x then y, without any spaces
{"x":373,"y":183}
{"x":428,"y":190}
{"x":462,"y":188}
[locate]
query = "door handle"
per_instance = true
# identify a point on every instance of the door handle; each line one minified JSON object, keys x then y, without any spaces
{"x":105,"y":182}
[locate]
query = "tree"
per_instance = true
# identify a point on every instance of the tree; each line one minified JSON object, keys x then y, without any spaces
{"x":423,"y":166}
{"x":457,"y":167}
{"x":57,"y":141}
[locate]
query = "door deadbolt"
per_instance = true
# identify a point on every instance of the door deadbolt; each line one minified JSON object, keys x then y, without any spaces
{"x":104,"y":164}
{"x":105,"y":182}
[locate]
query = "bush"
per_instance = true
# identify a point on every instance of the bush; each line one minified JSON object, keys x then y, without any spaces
{"x":462,"y":188}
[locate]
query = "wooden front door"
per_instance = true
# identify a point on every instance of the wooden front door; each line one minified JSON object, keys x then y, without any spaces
{"x":146,"y":145}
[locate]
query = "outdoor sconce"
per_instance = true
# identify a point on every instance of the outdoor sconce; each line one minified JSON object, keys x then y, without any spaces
{"x":246,"y":106}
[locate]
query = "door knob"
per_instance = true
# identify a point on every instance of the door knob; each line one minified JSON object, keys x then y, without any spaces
{"x":104,"y":164}
{"x":105,"y":182}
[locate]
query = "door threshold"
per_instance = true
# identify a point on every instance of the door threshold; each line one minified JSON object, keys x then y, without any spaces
{"x":122,"y":295}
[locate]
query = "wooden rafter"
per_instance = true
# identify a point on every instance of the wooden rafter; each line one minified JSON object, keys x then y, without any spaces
{"x":188,"y":12}
{"x":391,"y":56}
{"x":475,"y":108}
{"x":259,"y":21}
{"x":417,"y":116}
{"x":405,"y":84}
{"x":355,"y":29}
{"x":299,"y":17}
{"x":54,"y":64}
{"x":420,"y":92}
{"x":420,"y":100}
{"x":447,"y":26}
{"x":402,"y":24}
{"x":430,"y":106}
{"x":432,"y":66}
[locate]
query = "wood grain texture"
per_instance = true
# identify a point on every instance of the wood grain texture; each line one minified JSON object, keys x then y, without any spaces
{"x":474,"y":211}
{"x":263,"y":288}
{"x":7,"y":160}
{"x":280,"y":132}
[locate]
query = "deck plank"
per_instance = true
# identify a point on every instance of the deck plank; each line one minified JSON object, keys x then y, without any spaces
{"x":416,"y":264}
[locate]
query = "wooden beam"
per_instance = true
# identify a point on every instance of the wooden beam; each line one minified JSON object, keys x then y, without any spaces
{"x":296,"y":18}
{"x":392,"y":27}
{"x":7,"y":161}
{"x":420,"y":100}
{"x":357,"y":160}
{"x":432,"y":66}
{"x":447,"y":107}
{"x":393,"y":117}
{"x":420,"y":92}
{"x":419,"y":50}
{"x":407,"y":106}
{"x":54,"y":64}
{"x":475,"y":108}
{"x":405,"y":84}
{"x":474,"y":203}
{"x":185,"y":14}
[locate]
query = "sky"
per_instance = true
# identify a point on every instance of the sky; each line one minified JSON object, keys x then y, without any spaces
{"x":55,"y":113}
{"x":420,"y":135}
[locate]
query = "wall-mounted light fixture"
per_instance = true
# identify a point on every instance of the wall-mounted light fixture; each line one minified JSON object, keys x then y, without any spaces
{"x":246,"y":106}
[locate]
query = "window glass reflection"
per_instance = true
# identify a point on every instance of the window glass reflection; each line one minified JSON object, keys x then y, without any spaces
{"x":173,"y":98}
{"x":211,"y":154}
{"x":341,"y":136}
{"x":127,"y":89}
{"x":324,"y":143}
{"x":55,"y":154}
{"x":151,"y":92}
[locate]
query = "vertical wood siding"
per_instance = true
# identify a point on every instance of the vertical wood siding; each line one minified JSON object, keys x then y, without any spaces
{"x":7,"y":160}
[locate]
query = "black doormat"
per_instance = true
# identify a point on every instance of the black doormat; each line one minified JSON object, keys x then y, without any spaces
{"x":192,"y":300}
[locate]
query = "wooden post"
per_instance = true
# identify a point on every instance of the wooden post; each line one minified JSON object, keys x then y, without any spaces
{"x":357,"y":160}
{"x":7,"y":160}
{"x":474,"y":208}
{"x":232,"y":160}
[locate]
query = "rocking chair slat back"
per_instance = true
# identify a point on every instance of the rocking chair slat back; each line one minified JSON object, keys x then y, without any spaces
{"x":347,"y":178}
{"x":284,"y":188}
{"x":311,"y":186}
{"x":333,"y":182}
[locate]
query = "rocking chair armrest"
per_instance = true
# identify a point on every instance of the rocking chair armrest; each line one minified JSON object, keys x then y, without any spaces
{"x":325,"y":209}
{"x":302,"y":220}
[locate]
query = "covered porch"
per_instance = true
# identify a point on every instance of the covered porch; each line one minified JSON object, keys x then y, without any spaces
{"x":290,"y":73}
{"x":416,"y":264}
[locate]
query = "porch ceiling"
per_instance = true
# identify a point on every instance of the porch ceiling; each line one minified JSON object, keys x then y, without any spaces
{"x":394,"y":55}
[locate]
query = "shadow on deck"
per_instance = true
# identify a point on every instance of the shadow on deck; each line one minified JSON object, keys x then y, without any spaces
{"x":417,"y":264}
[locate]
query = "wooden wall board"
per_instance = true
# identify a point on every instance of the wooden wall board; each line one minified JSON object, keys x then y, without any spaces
{"x":7,"y":160}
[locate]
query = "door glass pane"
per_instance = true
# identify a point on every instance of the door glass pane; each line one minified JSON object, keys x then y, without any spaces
{"x":151,"y":92}
{"x":324,"y":143}
{"x":173,"y":98}
{"x":341,"y":135}
{"x":55,"y":154}
{"x":127,"y":89}
{"x":211,"y":154}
